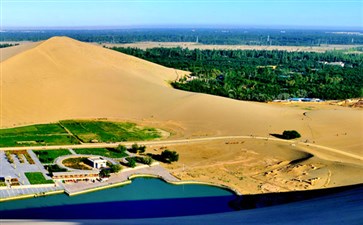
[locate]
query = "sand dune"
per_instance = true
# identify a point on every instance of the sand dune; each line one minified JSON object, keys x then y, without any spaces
{"x":62,"y":78}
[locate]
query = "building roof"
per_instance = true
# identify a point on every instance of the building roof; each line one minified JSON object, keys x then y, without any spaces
{"x":76,"y":172}
{"x":97,"y":159}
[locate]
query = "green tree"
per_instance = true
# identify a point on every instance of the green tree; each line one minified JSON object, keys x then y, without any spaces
{"x":170,"y":156}
{"x":121,"y":148}
{"x":105,"y":173}
{"x":131,"y":162}
{"x":115,"y":168}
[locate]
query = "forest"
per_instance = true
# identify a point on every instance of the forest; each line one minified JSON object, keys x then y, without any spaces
{"x":262,"y":75}
{"x":219,"y":36}
{"x":5,"y":45}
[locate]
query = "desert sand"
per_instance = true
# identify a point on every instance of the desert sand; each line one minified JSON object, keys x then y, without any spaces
{"x":62,"y":78}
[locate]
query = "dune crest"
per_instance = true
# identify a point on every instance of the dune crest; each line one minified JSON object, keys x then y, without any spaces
{"x":62,"y":78}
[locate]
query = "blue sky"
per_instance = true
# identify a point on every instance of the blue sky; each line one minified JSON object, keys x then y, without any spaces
{"x":169,"y":13}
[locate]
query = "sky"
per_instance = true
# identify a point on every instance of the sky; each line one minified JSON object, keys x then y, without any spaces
{"x":179,"y":13}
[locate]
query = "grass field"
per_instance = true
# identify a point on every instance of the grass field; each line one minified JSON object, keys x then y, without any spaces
{"x":105,"y":131}
{"x":48,"y":156}
{"x":34,"y":135}
{"x":111,"y":153}
{"x":37,"y":178}
{"x":85,"y":130}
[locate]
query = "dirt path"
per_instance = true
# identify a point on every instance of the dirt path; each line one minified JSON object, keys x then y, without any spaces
{"x":184,"y":141}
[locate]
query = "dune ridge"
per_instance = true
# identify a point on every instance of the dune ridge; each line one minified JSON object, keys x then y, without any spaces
{"x":62,"y":78}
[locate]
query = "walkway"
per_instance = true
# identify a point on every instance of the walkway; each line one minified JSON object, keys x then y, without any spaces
{"x":60,"y":159}
{"x":36,"y":190}
{"x":185,"y":141}
{"x":123,"y":176}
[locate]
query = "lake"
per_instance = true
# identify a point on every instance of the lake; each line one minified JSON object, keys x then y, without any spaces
{"x":143,"y":198}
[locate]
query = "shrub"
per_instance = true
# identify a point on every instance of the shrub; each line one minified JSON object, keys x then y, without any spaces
{"x":290,"y":134}
{"x":54,"y":168}
{"x":131,"y":162}
{"x":9,"y":157}
{"x":115,"y":168}
{"x":135,"y":148}
{"x":120,"y":149}
{"x":170,"y":156}
{"x":144,"y":160}
{"x":105,"y":173}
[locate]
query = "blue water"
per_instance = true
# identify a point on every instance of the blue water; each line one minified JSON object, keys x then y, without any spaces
{"x":143,"y":198}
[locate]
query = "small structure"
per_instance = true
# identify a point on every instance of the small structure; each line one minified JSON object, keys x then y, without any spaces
{"x":77,"y":175}
{"x":341,"y":64}
{"x":97,"y":162}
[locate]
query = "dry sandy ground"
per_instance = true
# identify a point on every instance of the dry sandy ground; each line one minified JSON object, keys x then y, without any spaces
{"x":258,"y":166}
{"x":65,"y":79}
{"x":6,"y":53}
{"x":193,"y":45}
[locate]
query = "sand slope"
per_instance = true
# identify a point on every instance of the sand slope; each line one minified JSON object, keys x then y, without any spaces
{"x":62,"y":79}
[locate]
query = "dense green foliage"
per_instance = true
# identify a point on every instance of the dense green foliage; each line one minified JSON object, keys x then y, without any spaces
{"x":135,"y":148}
{"x":37,"y":178}
{"x":7,"y":45}
{"x":81,"y":130}
{"x":48,"y":156}
{"x":43,"y":134}
{"x":144,"y":160}
{"x":262,"y":75}
{"x":107,"y":152}
{"x":121,"y":149}
{"x":106,"y":131}
{"x":115,"y":168}
{"x":170,"y":156}
{"x":131,"y":162}
{"x":218,"y":36}
{"x":54,"y":168}
{"x":105,"y":173}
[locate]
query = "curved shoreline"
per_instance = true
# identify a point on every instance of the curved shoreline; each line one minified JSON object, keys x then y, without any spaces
{"x":235,"y":192}
{"x":32,"y":195}
{"x":118,"y":184}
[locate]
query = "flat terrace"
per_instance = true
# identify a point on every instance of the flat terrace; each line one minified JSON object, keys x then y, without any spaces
{"x":29,"y":191}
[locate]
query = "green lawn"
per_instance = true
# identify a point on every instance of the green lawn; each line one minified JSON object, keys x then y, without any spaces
{"x":111,"y":153}
{"x":37,"y":178}
{"x":48,"y":156}
{"x":85,"y":130}
{"x":105,"y":131}
{"x":35,"y":135}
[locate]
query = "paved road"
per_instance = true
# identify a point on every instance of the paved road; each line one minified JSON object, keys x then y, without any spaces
{"x":182,"y":141}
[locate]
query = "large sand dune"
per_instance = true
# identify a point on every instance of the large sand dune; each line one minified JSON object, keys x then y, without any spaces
{"x":62,"y":78}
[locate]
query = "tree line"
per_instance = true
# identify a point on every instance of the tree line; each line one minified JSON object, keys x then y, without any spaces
{"x":216,"y":36}
{"x":261,"y":75}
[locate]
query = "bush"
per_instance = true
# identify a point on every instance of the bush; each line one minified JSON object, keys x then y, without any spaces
{"x":115,"y":168}
{"x":120,"y":149}
{"x":131,"y":162}
{"x":170,"y":156}
{"x":105,"y":173}
{"x":290,"y":134}
{"x":135,"y":148}
{"x":54,"y":168}
{"x":9,"y":157}
{"x":144,"y":160}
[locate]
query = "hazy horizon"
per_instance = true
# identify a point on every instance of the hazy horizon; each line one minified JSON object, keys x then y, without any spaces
{"x":220,"y":27}
{"x":118,"y":14}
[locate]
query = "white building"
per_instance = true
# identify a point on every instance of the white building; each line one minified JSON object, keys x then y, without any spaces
{"x":97,"y":162}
